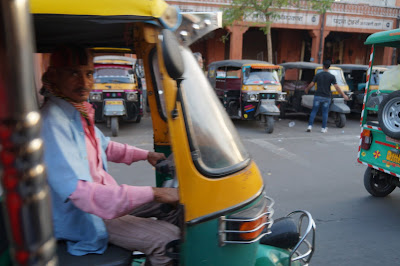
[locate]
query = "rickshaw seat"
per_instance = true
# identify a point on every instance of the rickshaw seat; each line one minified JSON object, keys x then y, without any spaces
{"x":233,"y":83}
{"x":302,"y":85}
{"x":289,"y":85}
{"x":113,"y":256}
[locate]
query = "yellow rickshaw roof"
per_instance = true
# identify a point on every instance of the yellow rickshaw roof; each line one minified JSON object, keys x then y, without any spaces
{"x":331,"y":67}
{"x":96,"y":23}
{"x":143,"y":8}
{"x":263,"y":66}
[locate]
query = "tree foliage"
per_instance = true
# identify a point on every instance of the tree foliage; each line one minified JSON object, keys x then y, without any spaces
{"x":263,"y":12}
{"x":267,"y":10}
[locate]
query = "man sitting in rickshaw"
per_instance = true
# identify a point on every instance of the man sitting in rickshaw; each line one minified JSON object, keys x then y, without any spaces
{"x":90,"y":209}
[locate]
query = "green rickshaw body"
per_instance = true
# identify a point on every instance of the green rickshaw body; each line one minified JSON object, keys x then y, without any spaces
{"x":380,"y":136}
{"x":202,"y":246}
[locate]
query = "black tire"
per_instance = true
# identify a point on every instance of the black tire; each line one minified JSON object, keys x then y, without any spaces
{"x":269,"y":123}
{"x":340,"y":120}
{"x":377,"y":183}
{"x":282,"y":109}
{"x":389,"y":115}
{"x":114,"y":126}
{"x":138,"y":118}
{"x":108,"y":121}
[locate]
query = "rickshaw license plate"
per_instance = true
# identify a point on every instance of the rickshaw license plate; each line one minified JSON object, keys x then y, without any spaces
{"x":393,"y":157}
{"x":113,"y":102}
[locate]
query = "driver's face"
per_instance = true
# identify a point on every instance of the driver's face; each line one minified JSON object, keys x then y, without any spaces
{"x":76,"y":82}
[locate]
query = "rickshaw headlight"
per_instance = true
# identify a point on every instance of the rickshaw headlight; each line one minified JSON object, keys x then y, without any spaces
{"x":281,"y":96}
{"x":95,"y":97}
{"x":251,"y":97}
{"x":248,"y":225}
{"x":132,"y":96}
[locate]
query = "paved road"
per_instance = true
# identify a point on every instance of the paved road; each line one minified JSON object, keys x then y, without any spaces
{"x":313,"y":171}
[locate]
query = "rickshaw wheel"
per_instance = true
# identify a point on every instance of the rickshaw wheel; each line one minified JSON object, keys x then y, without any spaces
{"x":108,"y":122}
{"x":138,"y":118}
{"x":114,"y":126}
{"x":389,"y":115}
{"x":269,"y":123}
{"x":340,"y":120}
{"x":377,"y":183}
{"x":282,"y":110}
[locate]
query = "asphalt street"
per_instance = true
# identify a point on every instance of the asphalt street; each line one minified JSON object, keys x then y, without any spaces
{"x":309,"y":171}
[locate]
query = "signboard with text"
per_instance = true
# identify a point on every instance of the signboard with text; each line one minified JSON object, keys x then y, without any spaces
{"x":358,"y":22}
{"x":297,"y":18}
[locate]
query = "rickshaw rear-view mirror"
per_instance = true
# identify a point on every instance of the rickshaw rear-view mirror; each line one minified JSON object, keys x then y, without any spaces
{"x":246,"y":72}
{"x":171,"y":54}
{"x":139,"y":69}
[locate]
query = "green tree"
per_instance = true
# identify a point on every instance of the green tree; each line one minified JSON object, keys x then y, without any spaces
{"x":265,"y":11}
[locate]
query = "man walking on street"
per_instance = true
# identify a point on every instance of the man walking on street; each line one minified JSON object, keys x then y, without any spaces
{"x":322,"y":95}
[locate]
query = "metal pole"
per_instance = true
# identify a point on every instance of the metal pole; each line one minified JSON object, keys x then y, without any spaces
{"x":26,"y":201}
{"x":321,"y":40}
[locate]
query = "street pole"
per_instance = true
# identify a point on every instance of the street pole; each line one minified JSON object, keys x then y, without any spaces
{"x":322,"y":38}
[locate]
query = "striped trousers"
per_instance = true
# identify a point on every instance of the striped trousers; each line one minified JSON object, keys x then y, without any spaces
{"x":139,"y":231}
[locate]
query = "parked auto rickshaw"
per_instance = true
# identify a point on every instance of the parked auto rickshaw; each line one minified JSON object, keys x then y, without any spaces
{"x":356,"y":76}
{"x":297,"y":76}
{"x":380,"y":138}
{"x":116,"y":95}
{"x":248,"y":89}
{"x":227,"y":216}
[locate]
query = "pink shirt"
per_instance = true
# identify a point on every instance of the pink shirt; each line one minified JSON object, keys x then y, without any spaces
{"x":104,"y":197}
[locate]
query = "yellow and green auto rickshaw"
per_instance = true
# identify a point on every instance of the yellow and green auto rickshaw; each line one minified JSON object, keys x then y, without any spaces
{"x":356,"y":76}
{"x":117,"y":93}
{"x":380,"y":136}
{"x":297,"y":76}
{"x":227,"y":216}
{"x":248,"y":89}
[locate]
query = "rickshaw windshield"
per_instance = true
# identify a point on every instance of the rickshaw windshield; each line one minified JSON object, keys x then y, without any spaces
{"x":375,"y":77}
{"x":338,"y":73}
{"x":113,"y":75}
{"x":216,"y":146}
{"x":261,"y":76}
{"x":113,"y":79}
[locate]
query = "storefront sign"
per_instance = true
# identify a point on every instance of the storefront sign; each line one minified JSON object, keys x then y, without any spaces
{"x":359,"y":22}
{"x":289,"y":18}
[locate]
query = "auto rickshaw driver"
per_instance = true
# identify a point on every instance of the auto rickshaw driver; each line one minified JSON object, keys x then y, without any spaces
{"x":89,"y":208}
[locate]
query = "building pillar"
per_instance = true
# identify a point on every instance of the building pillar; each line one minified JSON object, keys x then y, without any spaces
{"x":387,"y":56}
{"x":236,"y":41}
{"x":321,"y":52}
{"x":315,"y":36}
{"x":215,"y":48}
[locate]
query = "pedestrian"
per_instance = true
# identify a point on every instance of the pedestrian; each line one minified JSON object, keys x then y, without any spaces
{"x":322,"y":96}
{"x":89,"y":208}
{"x":199,"y":59}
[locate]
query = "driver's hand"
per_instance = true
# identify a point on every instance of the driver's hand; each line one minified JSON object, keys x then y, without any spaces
{"x":154,"y":157}
{"x":166,"y":195}
{"x":346,"y":97}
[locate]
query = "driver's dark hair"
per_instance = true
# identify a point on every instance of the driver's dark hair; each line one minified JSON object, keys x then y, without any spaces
{"x":327,"y":64}
{"x":70,"y":55}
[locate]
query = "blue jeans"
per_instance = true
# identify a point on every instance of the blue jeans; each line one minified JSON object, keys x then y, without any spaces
{"x":324,"y":102}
